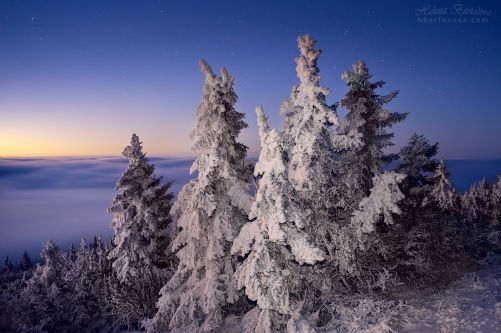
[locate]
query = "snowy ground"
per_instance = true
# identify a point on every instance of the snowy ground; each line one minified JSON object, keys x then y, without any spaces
{"x":471,"y":304}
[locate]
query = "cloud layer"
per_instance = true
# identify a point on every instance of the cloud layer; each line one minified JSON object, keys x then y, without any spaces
{"x":65,"y":199}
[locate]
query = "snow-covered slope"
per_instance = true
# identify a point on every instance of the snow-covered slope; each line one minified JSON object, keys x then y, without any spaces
{"x":471,"y":304}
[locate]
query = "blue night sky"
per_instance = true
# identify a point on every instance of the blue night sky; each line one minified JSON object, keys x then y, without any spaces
{"x":78,"y":78}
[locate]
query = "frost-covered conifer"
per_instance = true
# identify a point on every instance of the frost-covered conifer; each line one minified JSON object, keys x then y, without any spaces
{"x":416,"y":161}
{"x":141,"y":217}
{"x":25,"y":262}
{"x":367,"y":120}
{"x":496,"y":202}
{"x":46,"y":292}
{"x":494,"y":215}
{"x":475,"y":202}
{"x":81,"y":286}
{"x":141,"y":260}
{"x":214,"y":206}
{"x":370,"y":196}
{"x":73,"y":253}
{"x":306,"y":115}
{"x":360,"y":248}
{"x":87,"y":306}
{"x":55,"y":266}
{"x":275,"y":243}
{"x":480,"y":211}
{"x":7,"y":264}
{"x":315,"y":153}
{"x":443,"y":191}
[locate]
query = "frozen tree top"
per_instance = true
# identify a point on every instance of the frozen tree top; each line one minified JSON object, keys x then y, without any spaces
{"x":307,"y":99}
{"x":133,"y":152}
{"x":225,"y":81}
{"x":307,"y":69}
{"x":358,"y":80}
{"x":359,"y":77}
{"x":206,"y":68}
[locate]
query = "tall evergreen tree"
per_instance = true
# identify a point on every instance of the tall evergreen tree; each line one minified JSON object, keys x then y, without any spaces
{"x":80,"y":285}
{"x":370,"y":197}
{"x":475,"y":202}
{"x":314,"y":155}
{"x":307,"y":117}
{"x":7,"y":264}
{"x":496,"y":203}
{"x":367,"y":120}
{"x":479,"y":212}
{"x":73,"y":253}
{"x":25,"y":262}
{"x":416,"y":162}
{"x":214,"y":206}
{"x":443,"y":190}
{"x":141,"y":260}
{"x":87,"y":305}
{"x":275,"y":242}
{"x":44,"y":297}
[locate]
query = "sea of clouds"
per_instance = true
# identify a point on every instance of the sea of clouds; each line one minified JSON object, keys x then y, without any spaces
{"x":65,"y":199}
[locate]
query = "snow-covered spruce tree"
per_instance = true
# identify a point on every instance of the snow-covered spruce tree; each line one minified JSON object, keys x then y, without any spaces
{"x":443,"y":192}
{"x":80,"y":286}
{"x":88,"y":303}
{"x":478,"y":210}
{"x":475,"y":202}
{"x":306,"y":113}
{"x":25,"y":262}
{"x":367,"y":191}
{"x":141,"y":260}
{"x":427,"y":235}
{"x":368,"y":120}
{"x":275,"y":244}
{"x":496,"y":203}
{"x":315,"y":164}
{"x":42,"y":301}
{"x":494,"y":235}
{"x":214,"y":206}
{"x":362,"y":251}
{"x":416,"y":161}
{"x":72,"y":256}
{"x":7,"y":265}
{"x":312,"y":150}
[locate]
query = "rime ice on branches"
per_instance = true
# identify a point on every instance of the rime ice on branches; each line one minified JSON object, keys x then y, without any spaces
{"x":275,"y":242}
{"x":141,"y":258}
{"x":213,"y":208}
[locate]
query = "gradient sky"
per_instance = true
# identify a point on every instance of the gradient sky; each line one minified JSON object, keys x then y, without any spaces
{"x":78,"y":78}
